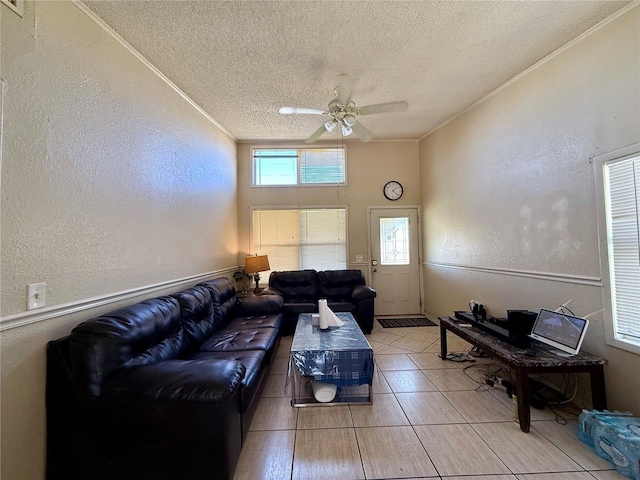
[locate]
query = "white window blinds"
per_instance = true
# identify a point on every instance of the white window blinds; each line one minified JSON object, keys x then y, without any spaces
{"x":296,"y":239}
{"x":298,"y":166}
{"x":622,"y":198}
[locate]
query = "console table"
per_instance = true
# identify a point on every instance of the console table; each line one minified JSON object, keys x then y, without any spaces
{"x":544,"y":361}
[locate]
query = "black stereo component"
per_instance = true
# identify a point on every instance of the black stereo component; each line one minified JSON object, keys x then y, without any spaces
{"x":521,"y":320}
{"x":513,"y":330}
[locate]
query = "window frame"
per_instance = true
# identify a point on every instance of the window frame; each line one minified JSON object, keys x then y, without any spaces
{"x":298,"y":184}
{"x":599,"y":163}
{"x":253,"y":247}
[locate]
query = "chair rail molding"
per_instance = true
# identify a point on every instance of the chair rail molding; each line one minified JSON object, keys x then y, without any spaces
{"x":47,"y":313}
{"x":546,"y":276}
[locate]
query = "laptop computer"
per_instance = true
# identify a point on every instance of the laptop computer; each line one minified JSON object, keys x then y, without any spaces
{"x":561,"y":331}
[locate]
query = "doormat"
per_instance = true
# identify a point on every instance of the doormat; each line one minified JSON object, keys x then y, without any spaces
{"x":406,"y":322}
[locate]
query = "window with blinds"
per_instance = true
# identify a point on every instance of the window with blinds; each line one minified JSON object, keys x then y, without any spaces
{"x":297,"y":239}
{"x":621,"y":187}
{"x":298,"y":166}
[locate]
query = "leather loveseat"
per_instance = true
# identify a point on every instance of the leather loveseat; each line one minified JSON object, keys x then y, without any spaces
{"x":344,"y":290}
{"x":164,"y":389}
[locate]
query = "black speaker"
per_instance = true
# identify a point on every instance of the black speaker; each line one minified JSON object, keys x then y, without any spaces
{"x":521,"y":321}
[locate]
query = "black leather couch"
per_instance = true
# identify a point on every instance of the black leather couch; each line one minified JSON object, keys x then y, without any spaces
{"x":164,"y":389}
{"x":344,"y":290}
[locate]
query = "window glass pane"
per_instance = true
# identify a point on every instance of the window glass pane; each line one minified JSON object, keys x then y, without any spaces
{"x":394,"y":241}
{"x":275,"y":171}
{"x":323,"y":239}
{"x":622,"y":181}
{"x":277,"y":233}
{"x":305,"y":238}
{"x":274,"y":167}
{"x":324,"y":165}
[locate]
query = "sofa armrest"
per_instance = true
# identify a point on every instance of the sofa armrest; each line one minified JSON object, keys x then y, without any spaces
{"x":202,"y":381}
{"x":271,"y":291}
{"x":362,"y":292}
{"x":258,"y":305}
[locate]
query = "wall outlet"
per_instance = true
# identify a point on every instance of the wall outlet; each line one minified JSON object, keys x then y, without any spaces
{"x":36,"y":295}
{"x":358,"y":258}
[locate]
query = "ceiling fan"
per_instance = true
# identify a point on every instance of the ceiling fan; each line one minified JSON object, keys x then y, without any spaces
{"x":343,"y":112}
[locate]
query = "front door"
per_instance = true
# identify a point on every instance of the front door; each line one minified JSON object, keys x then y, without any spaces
{"x":395,"y":262}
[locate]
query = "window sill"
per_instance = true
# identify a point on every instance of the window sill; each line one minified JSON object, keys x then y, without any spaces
{"x":622,"y":345}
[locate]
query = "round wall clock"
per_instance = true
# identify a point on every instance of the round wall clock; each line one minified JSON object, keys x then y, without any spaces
{"x":392,"y":190}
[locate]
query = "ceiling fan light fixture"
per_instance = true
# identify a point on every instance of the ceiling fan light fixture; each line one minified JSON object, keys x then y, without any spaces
{"x":349,"y":120}
{"x":342,"y":111}
{"x":330,"y":126}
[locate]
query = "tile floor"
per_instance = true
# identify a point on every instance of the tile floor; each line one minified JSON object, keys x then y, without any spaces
{"x":429,"y":419}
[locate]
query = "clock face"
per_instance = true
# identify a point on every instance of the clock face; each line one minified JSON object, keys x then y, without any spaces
{"x":392,"y":190}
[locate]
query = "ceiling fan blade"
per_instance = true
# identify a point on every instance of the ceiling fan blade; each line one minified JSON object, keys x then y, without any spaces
{"x":345,"y":89}
{"x":316,"y":135}
{"x":294,"y":110}
{"x":364,"y":134}
{"x":383,"y":108}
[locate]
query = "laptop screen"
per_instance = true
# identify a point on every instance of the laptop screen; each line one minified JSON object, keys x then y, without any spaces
{"x":556,"y":329}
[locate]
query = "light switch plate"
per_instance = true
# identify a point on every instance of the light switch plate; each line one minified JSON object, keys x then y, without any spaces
{"x":36,"y":295}
{"x":358,"y":258}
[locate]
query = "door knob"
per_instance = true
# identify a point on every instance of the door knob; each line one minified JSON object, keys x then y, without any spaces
{"x":374,"y":263}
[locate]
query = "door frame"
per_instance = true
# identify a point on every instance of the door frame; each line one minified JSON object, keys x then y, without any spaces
{"x":369,"y":249}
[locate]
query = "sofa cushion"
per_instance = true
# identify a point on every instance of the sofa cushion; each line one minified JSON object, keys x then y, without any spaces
{"x":230,"y":340}
{"x":341,"y":306}
{"x":142,"y":334}
{"x":295,"y":285}
{"x":338,"y":284}
{"x":176,"y":381}
{"x":198,"y":319}
{"x":258,"y":305}
{"x":253,"y":361}
{"x":296,"y":308}
{"x":223,"y":299}
{"x":256,"y":321}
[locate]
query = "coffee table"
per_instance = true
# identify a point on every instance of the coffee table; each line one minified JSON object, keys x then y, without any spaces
{"x":338,"y":355}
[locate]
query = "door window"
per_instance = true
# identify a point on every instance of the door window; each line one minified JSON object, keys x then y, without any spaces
{"x":394,"y":241}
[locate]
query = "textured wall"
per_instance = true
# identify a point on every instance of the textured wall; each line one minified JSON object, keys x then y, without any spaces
{"x":509,"y":193}
{"x":369,"y":167}
{"x":110,"y":181}
{"x":108,"y":176}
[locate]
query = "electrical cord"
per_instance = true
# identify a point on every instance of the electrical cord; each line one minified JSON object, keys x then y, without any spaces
{"x":562,"y":307}
{"x":460,"y":357}
{"x":483,"y":386}
{"x":559,"y":418}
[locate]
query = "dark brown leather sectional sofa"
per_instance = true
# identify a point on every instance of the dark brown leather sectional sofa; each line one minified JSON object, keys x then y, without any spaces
{"x":164,"y":389}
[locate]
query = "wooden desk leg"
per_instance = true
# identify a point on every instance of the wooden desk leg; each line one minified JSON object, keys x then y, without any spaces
{"x":522,"y":391}
{"x":598,"y":392}
{"x":443,"y":342}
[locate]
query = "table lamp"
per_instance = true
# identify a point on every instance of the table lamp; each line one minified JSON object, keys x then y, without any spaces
{"x":254,"y":265}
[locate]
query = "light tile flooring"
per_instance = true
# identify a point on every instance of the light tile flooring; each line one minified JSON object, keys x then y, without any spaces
{"x":429,"y":419}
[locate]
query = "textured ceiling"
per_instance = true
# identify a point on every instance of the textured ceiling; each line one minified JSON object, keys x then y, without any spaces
{"x":241,"y":61}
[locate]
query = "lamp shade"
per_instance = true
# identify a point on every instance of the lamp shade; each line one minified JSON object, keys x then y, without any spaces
{"x":259,"y":263}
